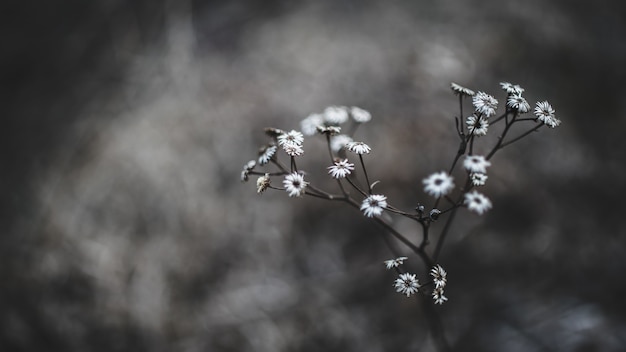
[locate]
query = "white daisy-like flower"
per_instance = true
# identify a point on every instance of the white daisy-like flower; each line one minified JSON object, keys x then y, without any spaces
{"x":459,"y":89}
{"x":295,"y":184}
{"x":478,"y":178}
{"x":330,"y":130}
{"x":438,"y":184}
{"x":249,"y":166}
{"x":266,"y":153}
{"x":476,"y":163}
{"x":359,"y":147}
{"x":485,"y":104}
{"x":292,"y":137}
{"x":336,"y":115}
{"x":407,"y":284}
{"x":373,"y":205}
{"x":477,"y":202}
{"x":262,"y":183}
{"x":518,"y":103}
{"x":338,"y":142}
{"x":438,"y":296}
{"x":545,"y":114}
{"x":308,"y":126}
{"x":394,"y":263}
{"x":512,"y":88}
{"x":340,"y":169}
{"x":477,"y":126}
{"x":359,"y":115}
{"x":293,"y":149}
{"x":439,"y":276}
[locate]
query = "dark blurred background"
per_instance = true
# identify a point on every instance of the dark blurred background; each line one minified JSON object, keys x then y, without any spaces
{"x":126,"y":124}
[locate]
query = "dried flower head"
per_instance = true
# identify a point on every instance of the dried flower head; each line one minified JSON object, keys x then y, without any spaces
{"x":513,"y":89}
{"x":292,"y":137}
{"x":329,"y":130}
{"x":439,"y":276}
{"x":477,"y":126}
{"x":273,"y":132}
{"x":374,"y":205}
{"x":340,"y":169}
{"x":309,"y":125}
{"x":477,"y":202}
{"x":459,"y":89}
{"x":262,"y":183}
{"x":249,"y":166}
{"x":295,"y":184}
{"x":517,"y":102}
{"x":407,"y":284}
{"x":358,"y":147}
{"x":359,"y":115}
{"x":266,"y":153}
{"x":336,"y":115}
{"x":485,"y":104}
{"x":394,"y":263}
{"x":545,"y":114}
{"x":438,"y":296}
{"x":438,"y":184}
{"x":476,"y":163}
{"x":293,"y":149}
{"x":478,"y":179}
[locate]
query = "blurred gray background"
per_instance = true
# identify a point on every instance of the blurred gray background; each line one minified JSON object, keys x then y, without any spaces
{"x":126,"y":124}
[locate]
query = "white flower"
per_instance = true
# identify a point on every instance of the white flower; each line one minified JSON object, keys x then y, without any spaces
{"x":295,"y":184}
{"x":406,"y":284}
{"x":518,"y":103}
{"x":330,"y":130}
{"x":394,"y":263}
{"x":373,"y":205}
{"x":545,"y":114}
{"x":478,"y":179}
{"x":310,"y":123}
{"x":438,"y":296}
{"x":485,"y":104}
{"x":438,"y":184}
{"x":477,"y":202}
{"x":292,"y":137}
{"x":266,"y":153}
{"x":439,"y":276}
{"x":341,"y":168}
{"x":262,"y":183}
{"x":459,"y":89}
{"x":358,"y":147}
{"x":338,"y":142}
{"x":513,"y":89}
{"x":476,"y":163}
{"x":359,"y":115}
{"x":477,"y":126}
{"x":293,"y":149}
{"x":246,"y":170}
{"x":336,"y":115}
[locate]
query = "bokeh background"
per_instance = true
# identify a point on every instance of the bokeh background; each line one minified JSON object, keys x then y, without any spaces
{"x":126,"y":124}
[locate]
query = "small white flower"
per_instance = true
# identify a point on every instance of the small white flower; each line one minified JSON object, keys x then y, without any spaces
{"x":266,"y":153}
{"x":293,"y":149}
{"x":246,"y":170}
{"x":310,"y":123}
{"x":459,"y":89}
{"x":373,"y":205}
{"x":545,"y":114}
{"x":359,"y":115}
{"x":477,"y":202}
{"x":262,"y":183}
{"x":518,"y":103}
{"x":358,"y":147}
{"x":292,"y":137}
{"x":338,"y":142}
{"x":394,"y":263}
{"x":330,"y":130}
{"x":340,"y":169}
{"x":478,"y":179}
{"x":407,"y":284}
{"x":438,"y":296}
{"x":295,"y":184}
{"x":439,"y":276}
{"x":477,"y":126}
{"x":336,"y":115}
{"x":485,"y":104}
{"x":513,"y":89}
{"x":476,"y":163}
{"x":438,"y":184}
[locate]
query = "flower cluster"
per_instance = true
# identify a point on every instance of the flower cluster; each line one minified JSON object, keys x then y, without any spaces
{"x":351,"y":182}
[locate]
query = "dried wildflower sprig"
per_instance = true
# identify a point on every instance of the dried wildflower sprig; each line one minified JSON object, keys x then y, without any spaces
{"x":449,"y":196}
